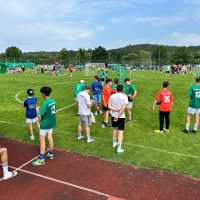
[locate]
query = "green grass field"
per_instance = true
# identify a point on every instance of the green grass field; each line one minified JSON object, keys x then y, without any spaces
{"x":174,"y":152}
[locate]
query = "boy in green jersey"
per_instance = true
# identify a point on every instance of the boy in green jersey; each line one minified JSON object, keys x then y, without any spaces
{"x":116,"y":82}
{"x":131,"y":93}
{"x":78,"y":88}
{"x":194,"y":107}
{"x":47,"y":116}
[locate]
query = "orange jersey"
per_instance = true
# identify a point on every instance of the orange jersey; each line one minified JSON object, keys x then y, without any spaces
{"x":106,"y":92}
{"x":166,"y":98}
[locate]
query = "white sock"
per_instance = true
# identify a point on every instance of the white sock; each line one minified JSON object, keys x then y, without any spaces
{"x":114,"y":140}
{"x":187,"y":126}
{"x":196,"y":126}
{"x":88,"y":138}
{"x":79,"y":134}
{"x":119,"y":146}
{"x":5,"y":169}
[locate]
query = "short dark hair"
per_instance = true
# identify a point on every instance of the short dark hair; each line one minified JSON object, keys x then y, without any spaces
{"x":165,"y":84}
{"x":120,"y":88}
{"x":108,"y":80}
{"x":30,"y":92}
{"x":198,"y":79}
{"x":96,"y":77}
{"x":46,"y":90}
{"x":116,"y":80}
{"x":126,"y":79}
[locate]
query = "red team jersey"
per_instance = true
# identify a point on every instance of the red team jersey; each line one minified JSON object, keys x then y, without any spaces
{"x":166,"y":98}
{"x":106,"y":92}
{"x":70,"y":68}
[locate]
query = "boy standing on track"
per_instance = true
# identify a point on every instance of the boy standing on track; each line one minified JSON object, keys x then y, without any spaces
{"x":30,"y":104}
{"x":97,"y":87}
{"x":164,"y":98}
{"x":84,"y":112}
{"x":131,"y":92}
{"x":47,"y":114}
{"x":106,"y":93}
{"x":117,"y":104}
{"x":194,"y":107}
{"x":4,"y":163}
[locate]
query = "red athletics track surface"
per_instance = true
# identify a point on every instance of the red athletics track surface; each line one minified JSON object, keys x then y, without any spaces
{"x":51,"y":181}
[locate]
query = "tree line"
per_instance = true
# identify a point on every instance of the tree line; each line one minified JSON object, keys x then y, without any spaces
{"x":132,"y":54}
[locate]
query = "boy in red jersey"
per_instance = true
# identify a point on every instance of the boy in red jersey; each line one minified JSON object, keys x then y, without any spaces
{"x":106,"y":93}
{"x":164,"y":99}
{"x":71,"y":70}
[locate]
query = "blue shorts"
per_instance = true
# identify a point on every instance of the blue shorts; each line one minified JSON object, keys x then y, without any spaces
{"x":97,"y":98}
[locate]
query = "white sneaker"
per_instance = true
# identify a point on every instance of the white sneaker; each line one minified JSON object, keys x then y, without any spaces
{"x":166,"y":130}
{"x":81,"y":137}
{"x":90,"y":141}
{"x":32,"y":137}
{"x":100,"y":112}
{"x":9,"y":175}
{"x":96,"y":113}
{"x":115,"y":144}
{"x":119,"y":151}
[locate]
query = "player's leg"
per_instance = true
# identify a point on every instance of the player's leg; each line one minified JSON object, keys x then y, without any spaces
{"x":37,"y":124}
{"x":115,"y":132}
{"x":50,"y":153}
{"x":30,"y":128}
{"x":167,"y":120}
{"x":161,"y":117}
{"x":99,"y":102}
{"x":129,"y":107}
{"x":87,"y":123}
{"x":121,"y":126}
{"x":190,"y":112}
{"x":196,"y":122}
{"x":80,"y":127}
{"x":4,"y":162}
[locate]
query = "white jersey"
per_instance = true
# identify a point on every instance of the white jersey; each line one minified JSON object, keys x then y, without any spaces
{"x":117,"y":101}
{"x":83,"y":100}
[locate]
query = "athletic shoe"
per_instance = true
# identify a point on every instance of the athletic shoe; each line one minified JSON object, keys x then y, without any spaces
{"x":157,"y":131}
{"x":90,"y":141}
{"x":115,"y":144}
{"x":9,"y":175}
{"x":120,"y":151}
{"x":193,"y":131}
{"x":108,"y":125}
{"x":32,"y":137}
{"x":129,"y":120}
{"x":100,"y":112}
{"x":81,"y":137}
{"x":50,"y":156}
{"x":186,"y":131}
{"x":166,"y":130}
{"x":96,"y":113}
{"x":38,"y":162}
{"x":104,"y":125}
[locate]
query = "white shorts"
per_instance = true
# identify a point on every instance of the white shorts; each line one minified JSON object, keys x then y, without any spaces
{"x":193,"y":111}
{"x":44,"y":132}
{"x":130,"y":105}
{"x":31,"y":121}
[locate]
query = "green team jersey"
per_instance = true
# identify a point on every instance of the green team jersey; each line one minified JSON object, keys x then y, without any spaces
{"x":78,"y":88}
{"x":48,"y":114}
{"x":114,"y":87}
{"x":194,"y":94}
{"x":129,"y":91}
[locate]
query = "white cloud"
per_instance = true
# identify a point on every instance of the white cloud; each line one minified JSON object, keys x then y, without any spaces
{"x":116,"y":20}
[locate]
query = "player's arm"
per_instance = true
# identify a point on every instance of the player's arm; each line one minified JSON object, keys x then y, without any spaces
{"x":25,"y":103}
{"x":42,"y":111}
{"x":134,"y":94}
{"x":103,"y":97}
{"x":122,"y":110}
{"x":112,"y":108}
{"x":156,"y":100}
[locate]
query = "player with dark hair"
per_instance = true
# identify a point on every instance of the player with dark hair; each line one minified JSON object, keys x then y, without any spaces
{"x":47,"y":114}
{"x":116,"y":81}
{"x":194,"y":107}
{"x":106,"y":93}
{"x":164,"y":99}
{"x":30,"y":103}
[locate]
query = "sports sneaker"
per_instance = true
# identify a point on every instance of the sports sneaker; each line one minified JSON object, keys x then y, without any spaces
{"x":108,"y":125}
{"x":38,"y":162}
{"x":96,"y":113}
{"x":186,"y":131}
{"x":120,"y":151}
{"x":9,"y":175}
{"x":32,"y":137}
{"x":100,"y":112}
{"x":50,"y":156}
{"x":193,"y":131}
{"x":115,"y":144}
{"x":157,"y":131}
{"x":90,"y":141}
{"x":103,"y":125}
{"x":166,"y":130}
{"x":81,"y":137}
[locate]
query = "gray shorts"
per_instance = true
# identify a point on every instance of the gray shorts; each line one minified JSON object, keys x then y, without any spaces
{"x":84,"y":120}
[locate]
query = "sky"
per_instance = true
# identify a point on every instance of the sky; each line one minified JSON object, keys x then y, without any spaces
{"x":50,"y":25}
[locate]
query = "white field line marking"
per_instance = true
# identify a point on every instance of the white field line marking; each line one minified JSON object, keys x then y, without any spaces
{"x":61,"y":182}
{"x":65,"y":107}
{"x":128,"y":144}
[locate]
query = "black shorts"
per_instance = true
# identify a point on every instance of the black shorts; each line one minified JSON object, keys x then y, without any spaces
{"x":105,"y":108}
{"x":120,"y":124}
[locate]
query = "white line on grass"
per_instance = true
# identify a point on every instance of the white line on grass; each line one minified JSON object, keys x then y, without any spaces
{"x":65,"y":107}
{"x":129,"y":144}
{"x":62,"y":182}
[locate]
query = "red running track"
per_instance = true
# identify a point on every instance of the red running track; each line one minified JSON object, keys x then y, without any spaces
{"x":51,"y":181}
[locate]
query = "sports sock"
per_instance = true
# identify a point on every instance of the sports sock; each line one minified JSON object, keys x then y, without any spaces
{"x":5,"y":169}
{"x":114,"y":140}
{"x":50,"y":151}
{"x":31,"y":133}
{"x":187,"y":126}
{"x":196,"y":126}
{"x":41,"y":157}
{"x":79,"y":134}
{"x":88,"y":138}
{"x":119,"y":145}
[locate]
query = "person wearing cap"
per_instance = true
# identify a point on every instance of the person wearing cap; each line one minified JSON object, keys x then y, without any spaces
{"x":78,"y":88}
{"x":30,"y":103}
{"x":117,"y":104}
{"x":84,"y":111}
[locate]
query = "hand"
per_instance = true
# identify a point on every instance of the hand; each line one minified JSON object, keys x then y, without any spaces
{"x":115,"y":119}
{"x":39,"y":117}
{"x":153,"y":108}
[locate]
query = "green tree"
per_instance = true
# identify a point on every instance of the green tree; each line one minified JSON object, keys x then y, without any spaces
{"x":64,"y":56}
{"x":182,"y":55}
{"x":160,"y":55}
{"x":13,"y":53}
{"x":99,"y":55}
